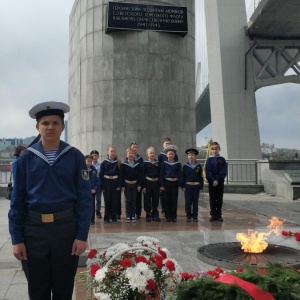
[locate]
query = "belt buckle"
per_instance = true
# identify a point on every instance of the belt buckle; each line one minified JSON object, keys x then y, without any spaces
{"x":47,"y":218}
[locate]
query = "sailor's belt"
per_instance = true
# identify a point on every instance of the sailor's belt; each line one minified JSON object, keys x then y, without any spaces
{"x":111,"y":177}
{"x":192,"y":183}
{"x":171,"y":179}
{"x":131,"y":181}
{"x":151,"y":179}
{"x":50,"y":218}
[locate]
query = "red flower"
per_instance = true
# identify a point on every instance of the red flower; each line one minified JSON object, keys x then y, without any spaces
{"x":262,"y":271}
{"x":126,"y":263}
{"x":92,"y":253}
{"x":170,"y":265}
{"x":286,"y":233}
{"x":158,"y":261}
{"x":297,"y":236}
{"x":162,"y":253}
{"x":240,"y":270}
{"x":219,"y":270}
{"x":216,"y":272}
{"x":186,"y":276}
{"x":141,"y":259}
{"x":151,"y":285}
{"x":94,"y":269}
{"x":213,"y":273}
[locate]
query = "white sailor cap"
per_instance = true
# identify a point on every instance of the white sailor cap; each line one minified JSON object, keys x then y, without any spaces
{"x":170,"y":148}
{"x":49,"y":108}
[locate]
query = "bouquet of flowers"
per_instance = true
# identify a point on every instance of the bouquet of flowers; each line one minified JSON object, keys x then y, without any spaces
{"x":137,"y":271}
{"x":268,"y":283}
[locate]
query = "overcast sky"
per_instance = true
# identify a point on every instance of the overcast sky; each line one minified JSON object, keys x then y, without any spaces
{"x":34,"y":37}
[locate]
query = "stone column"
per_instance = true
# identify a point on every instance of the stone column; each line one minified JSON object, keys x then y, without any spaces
{"x":130,"y":85}
{"x":233,"y":109}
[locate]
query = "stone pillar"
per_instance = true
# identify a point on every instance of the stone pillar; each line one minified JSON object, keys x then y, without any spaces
{"x":130,"y":85}
{"x":233,"y":109}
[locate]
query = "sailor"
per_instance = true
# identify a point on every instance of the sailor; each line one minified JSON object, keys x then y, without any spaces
{"x":50,"y":211}
{"x":192,"y":184}
{"x":170,"y":181}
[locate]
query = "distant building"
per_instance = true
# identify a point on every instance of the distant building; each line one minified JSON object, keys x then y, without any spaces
{"x":5,"y":144}
{"x":8,"y":143}
{"x":28,"y":140}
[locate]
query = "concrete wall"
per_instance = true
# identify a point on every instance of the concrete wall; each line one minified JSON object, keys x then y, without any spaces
{"x":274,"y":181}
{"x":233,"y":109}
{"x":130,"y":85}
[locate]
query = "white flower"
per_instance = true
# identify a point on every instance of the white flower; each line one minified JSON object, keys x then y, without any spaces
{"x":91,"y":261}
{"x":102,"y":296}
{"x":100,"y":274}
{"x":147,"y":240}
{"x":144,"y":269}
{"x":111,"y":251}
{"x":138,"y":276}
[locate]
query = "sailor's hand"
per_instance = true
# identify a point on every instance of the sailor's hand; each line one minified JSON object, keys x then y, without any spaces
{"x":78,"y":247}
{"x":19,"y":251}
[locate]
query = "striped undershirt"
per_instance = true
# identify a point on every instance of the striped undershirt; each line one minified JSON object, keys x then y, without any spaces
{"x":51,"y":156}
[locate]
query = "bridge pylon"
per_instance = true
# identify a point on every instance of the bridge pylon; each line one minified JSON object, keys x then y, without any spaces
{"x":233,"y":108}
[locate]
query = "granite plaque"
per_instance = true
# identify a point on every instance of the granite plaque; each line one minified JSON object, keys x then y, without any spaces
{"x":127,"y":16}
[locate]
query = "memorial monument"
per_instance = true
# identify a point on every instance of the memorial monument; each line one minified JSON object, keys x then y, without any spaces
{"x":132,"y":74}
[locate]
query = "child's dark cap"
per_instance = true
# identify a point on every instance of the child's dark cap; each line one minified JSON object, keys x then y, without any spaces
{"x":192,"y":150}
{"x":94,"y":152}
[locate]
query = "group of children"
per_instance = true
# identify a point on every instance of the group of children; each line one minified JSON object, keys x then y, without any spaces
{"x":157,"y":179}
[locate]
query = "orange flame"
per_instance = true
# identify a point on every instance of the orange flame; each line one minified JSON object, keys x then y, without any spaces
{"x":255,"y":242}
{"x":276,"y":225}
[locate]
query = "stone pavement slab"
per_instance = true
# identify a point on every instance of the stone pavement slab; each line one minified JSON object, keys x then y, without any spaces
{"x":13,"y":284}
{"x":182,"y":239}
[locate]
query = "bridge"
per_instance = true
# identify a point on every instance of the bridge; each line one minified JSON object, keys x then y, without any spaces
{"x":243,"y":57}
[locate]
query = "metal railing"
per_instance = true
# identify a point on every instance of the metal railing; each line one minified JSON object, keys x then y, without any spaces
{"x":239,"y":171}
{"x":5,"y":170}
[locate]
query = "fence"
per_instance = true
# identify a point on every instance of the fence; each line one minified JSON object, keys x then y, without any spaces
{"x":5,"y":165}
{"x":239,"y":171}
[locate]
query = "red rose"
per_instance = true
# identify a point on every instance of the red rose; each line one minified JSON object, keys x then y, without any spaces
{"x":170,"y":265}
{"x":219,"y":270}
{"x":162,"y":253}
{"x":92,"y":253}
{"x":150,"y":285}
{"x":213,"y":273}
{"x":286,"y":233}
{"x":126,"y":263}
{"x":94,"y":269}
{"x":297,"y":236}
{"x":158,"y":261}
{"x":186,"y":276}
{"x":141,"y":259}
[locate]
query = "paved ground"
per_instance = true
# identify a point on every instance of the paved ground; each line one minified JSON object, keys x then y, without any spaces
{"x":182,"y":239}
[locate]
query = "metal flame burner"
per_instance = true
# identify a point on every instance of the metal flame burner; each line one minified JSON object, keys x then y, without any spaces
{"x":230,"y":255}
